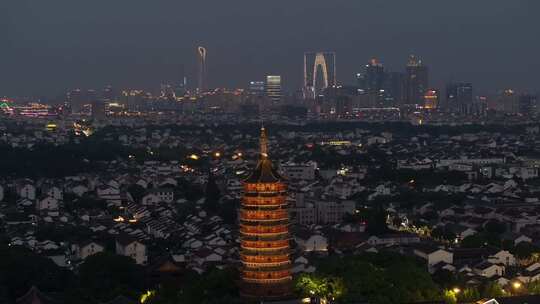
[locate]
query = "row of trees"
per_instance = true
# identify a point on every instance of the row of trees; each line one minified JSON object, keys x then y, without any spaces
{"x":103,"y":277}
{"x":386,"y":278}
{"x":376,"y":278}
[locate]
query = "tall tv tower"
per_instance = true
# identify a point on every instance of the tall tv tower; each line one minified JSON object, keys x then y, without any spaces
{"x":201,"y":56}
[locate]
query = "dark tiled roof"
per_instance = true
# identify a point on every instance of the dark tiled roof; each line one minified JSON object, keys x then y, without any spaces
{"x":519,"y":300}
{"x":34,"y":296}
{"x":121,"y":300}
{"x":264,"y":173}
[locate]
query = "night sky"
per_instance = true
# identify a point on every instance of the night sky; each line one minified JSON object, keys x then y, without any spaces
{"x":49,"y":46}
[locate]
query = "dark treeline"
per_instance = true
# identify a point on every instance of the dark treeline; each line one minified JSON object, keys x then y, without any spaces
{"x":68,"y":159}
{"x":398,"y":128}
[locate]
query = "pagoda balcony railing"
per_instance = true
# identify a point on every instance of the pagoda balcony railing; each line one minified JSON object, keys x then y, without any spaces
{"x":266,"y":230}
{"x":267,"y":267}
{"x":259,"y":252}
{"x":280,"y":244}
{"x":264,"y":187}
{"x":265,"y":259}
{"x":263,"y":238}
{"x":265,"y":222}
{"x":263,"y":250}
{"x":264,"y":201}
{"x":264,"y":215}
{"x":246,"y":273}
{"x":265,"y":194}
{"x":263,"y":275}
{"x":268,"y":281}
{"x":261,"y":207}
{"x":264,"y":206}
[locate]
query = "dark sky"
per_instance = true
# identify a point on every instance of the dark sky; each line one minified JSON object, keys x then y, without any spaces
{"x":49,"y":46}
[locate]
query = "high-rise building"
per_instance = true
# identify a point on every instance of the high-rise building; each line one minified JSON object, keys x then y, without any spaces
{"x":273,"y":88}
{"x":180,"y":86}
{"x":133,"y":100}
{"x":528,"y":104}
{"x":361,"y":81}
{"x":431,"y":99}
{"x":76,"y":100}
{"x":98,"y":110}
{"x":79,"y":99}
{"x":202,"y":77}
{"x":374,"y":76}
{"x":264,"y":232}
{"x":319,"y":72}
{"x":394,"y":87}
{"x":108,"y":93}
{"x":416,"y":81}
{"x":257,"y":88}
{"x":508,"y":101}
{"x":459,"y":97}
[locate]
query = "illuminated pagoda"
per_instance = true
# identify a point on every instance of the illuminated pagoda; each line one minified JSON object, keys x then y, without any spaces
{"x":264,"y":232}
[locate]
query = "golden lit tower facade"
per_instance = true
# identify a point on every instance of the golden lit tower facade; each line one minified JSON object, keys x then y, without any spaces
{"x":264,"y":232}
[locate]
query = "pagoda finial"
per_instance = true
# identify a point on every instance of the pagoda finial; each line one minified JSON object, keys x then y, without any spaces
{"x":263,"y":142}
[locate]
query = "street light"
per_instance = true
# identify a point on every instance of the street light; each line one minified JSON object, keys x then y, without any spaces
{"x":456,"y":290}
{"x":516,"y":285}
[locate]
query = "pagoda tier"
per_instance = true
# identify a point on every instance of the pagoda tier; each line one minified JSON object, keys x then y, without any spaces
{"x":264,"y":233}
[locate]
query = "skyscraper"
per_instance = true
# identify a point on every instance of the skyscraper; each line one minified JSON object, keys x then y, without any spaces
{"x":374,"y":76}
{"x":528,"y":104}
{"x":319,"y":72}
{"x":108,"y":93}
{"x":76,"y":100}
{"x":459,"y":97}
{"x":383,"y":87}
{"x":394,"y":87}
{"x":257,"y":88}
{"x":264,"y":233}
{"x":416,"y":82}
{"x":431,"y":99}
{"x":273,"y":88}
{"x":508,"y":101}
{"x":98,"y":109}
{"x":202,"y":81}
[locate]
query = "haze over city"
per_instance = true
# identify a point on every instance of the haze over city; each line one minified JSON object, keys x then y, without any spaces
{"x":278,"y":152}
{"x":49,"y":47}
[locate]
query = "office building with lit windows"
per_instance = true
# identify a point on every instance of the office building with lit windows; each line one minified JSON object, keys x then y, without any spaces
{"x":273,"y":88}
{"x":459,"y":97}
{"x":416,"y":81}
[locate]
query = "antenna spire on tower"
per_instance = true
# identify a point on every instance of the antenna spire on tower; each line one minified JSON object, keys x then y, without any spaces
{"x":263,"y":142}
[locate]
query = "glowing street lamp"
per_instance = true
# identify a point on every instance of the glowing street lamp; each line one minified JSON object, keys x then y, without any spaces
{"x":456,"y":290}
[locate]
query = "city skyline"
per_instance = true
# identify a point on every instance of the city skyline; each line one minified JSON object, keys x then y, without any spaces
{"x":93,"y":51}
{"x":218,"y":152}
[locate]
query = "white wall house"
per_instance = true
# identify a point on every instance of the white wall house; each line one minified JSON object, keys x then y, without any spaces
{"x":132,"y":248}
{"x":316,"y":242}
{"x":435,"y":256}
{"x":84,"y":250}
{"x":503,"y":257}
{"x":47,"y":203}
{"x":488,"y":269}
{"x":27,"y":191}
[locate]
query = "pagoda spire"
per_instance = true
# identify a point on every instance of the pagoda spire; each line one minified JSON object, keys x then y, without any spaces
{"x":263,"y":142}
